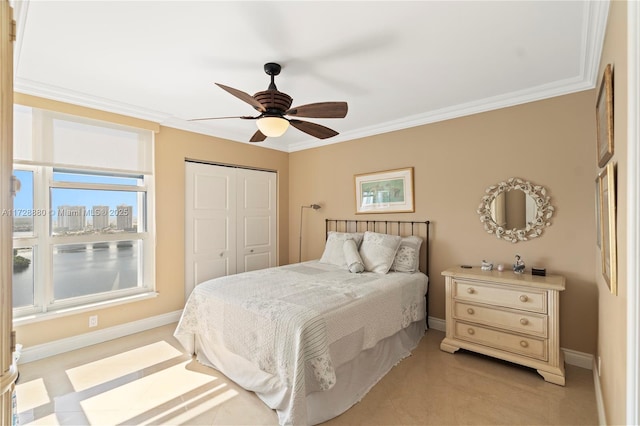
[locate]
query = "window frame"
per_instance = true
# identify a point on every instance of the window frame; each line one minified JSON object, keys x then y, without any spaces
{"x":34,"y":241}
{"x":43,"y":241}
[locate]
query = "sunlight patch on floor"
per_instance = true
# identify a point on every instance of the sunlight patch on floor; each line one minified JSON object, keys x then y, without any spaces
{"x":151,"y":396}
{"x":50,"y":420}
{"x":31,"y":394}
{"x":185,"y":413}
{"x":95,"y":373}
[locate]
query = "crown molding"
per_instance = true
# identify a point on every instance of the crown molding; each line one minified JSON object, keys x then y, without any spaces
{"x":593,"y":32}
{"x":488,"y":104}
{"x":538,"y":93}
{"x":29,"y":87}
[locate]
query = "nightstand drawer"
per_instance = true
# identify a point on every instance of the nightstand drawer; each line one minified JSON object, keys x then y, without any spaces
{"x":518,"y":321}
{"x":527,"y":346}
{"x":509,"y":297}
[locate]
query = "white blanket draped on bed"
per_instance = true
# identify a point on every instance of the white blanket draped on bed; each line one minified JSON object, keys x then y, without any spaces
{"x":284,"y":319}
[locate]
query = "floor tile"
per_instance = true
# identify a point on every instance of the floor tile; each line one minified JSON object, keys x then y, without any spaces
{"x":147,"y":379}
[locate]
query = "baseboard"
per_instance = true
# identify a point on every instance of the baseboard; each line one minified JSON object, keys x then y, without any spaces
{"x":34,"y":353}
{"x":571,"y":357}
{"x":579,"y":359}
{"x":602,"y":418}
{"x":438,"y":324}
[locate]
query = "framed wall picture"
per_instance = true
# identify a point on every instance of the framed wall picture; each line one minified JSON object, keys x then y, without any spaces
{"x":604,"y":118}
{"x":607,"y":184}
{"x":389,"y":191}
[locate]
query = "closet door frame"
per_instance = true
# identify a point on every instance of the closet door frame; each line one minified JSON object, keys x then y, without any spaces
{"x":205,"y":260}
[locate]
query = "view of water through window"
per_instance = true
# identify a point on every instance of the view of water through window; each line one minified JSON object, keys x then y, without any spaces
{"x":23,"y":277}
{"x":82,"y":269}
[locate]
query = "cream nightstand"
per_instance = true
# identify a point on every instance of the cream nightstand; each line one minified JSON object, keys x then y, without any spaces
{"x":507,"y":316}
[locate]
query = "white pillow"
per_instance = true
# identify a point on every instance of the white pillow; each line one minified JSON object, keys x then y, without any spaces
{"x":334,"y":247}
{"x":378,"y":251}
{"x":408,"y":256}
{"x":352,"y":257}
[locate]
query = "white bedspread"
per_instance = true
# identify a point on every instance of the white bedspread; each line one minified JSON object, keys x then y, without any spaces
{"x":283,"y":319}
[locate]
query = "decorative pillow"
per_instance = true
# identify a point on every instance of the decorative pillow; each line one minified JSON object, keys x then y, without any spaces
{"x":352,"y":257}
{"x":408,"y":256}
{"x":333,"y":249}
{"x":378,"y":251}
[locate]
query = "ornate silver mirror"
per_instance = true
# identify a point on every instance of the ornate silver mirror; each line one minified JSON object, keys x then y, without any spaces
{"x":515,"y":210}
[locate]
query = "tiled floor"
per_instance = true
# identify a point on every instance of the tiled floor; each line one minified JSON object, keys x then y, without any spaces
{"x":146,"y":379}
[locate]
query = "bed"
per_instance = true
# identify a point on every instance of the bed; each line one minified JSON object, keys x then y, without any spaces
{"x":311,"y":338}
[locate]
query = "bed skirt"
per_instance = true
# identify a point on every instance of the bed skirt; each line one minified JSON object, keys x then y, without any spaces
{"x":356,"y":377}
{"x":356,"y":374}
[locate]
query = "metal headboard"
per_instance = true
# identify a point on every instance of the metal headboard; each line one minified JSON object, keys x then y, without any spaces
{"x":398,"y":227}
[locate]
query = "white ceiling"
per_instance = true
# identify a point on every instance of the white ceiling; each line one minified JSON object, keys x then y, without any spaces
{"x":397,"y":64}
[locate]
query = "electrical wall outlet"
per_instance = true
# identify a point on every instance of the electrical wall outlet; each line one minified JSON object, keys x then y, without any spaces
{"x":93,"y":321}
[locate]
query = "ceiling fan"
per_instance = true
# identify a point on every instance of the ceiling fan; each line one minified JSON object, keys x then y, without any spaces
{"x":273,"y":105}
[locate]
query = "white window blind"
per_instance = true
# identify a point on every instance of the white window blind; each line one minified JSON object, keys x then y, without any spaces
{"x":49,"y":138}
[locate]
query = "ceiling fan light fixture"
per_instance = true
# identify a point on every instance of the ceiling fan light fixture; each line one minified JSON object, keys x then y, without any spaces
{"x":272,"y":127}
{"x":274,"y":106}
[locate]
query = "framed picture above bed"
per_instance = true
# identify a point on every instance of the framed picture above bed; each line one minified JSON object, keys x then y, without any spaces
{"x":604,"y":118}
{"x":389,"y":191}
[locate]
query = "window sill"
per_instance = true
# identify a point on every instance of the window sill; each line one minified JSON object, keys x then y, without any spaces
{"x":89,"y":307}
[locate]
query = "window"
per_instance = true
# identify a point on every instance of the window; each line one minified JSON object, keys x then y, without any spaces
{"x":82,"y":226}
{"x":24,"y":241}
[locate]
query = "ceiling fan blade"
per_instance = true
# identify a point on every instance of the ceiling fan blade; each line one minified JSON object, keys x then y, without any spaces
{"x":243,"y":96}
{"x":257,"y":137}
{"x":313,"y":129}
{"x":320,"y":110}
{"x":244,"y":117}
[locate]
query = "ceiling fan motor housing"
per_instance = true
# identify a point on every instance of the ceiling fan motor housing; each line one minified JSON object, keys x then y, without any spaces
{"x":274,"y":101}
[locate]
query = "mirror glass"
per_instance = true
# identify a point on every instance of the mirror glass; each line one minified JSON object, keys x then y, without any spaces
{"x":515,"y":210}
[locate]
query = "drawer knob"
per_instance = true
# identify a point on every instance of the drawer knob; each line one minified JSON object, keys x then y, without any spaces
{"x":524,"y":298}
{"x":471,"y":331}
{"x":470,"y":311}
{"x":470,"y":290}
{"x":524,"y":321}
{"x":524,"y":343}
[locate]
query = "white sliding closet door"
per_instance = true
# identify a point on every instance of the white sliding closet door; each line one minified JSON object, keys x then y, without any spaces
{"x":230,"y":221}
{"x":256,"y":220}
{"x":210,"y":230}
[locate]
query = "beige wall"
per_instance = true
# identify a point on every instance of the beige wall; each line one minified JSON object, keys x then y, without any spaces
{"x":612,"y":344}
{"x":550,"y":142}
{"x":172,"y":147}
